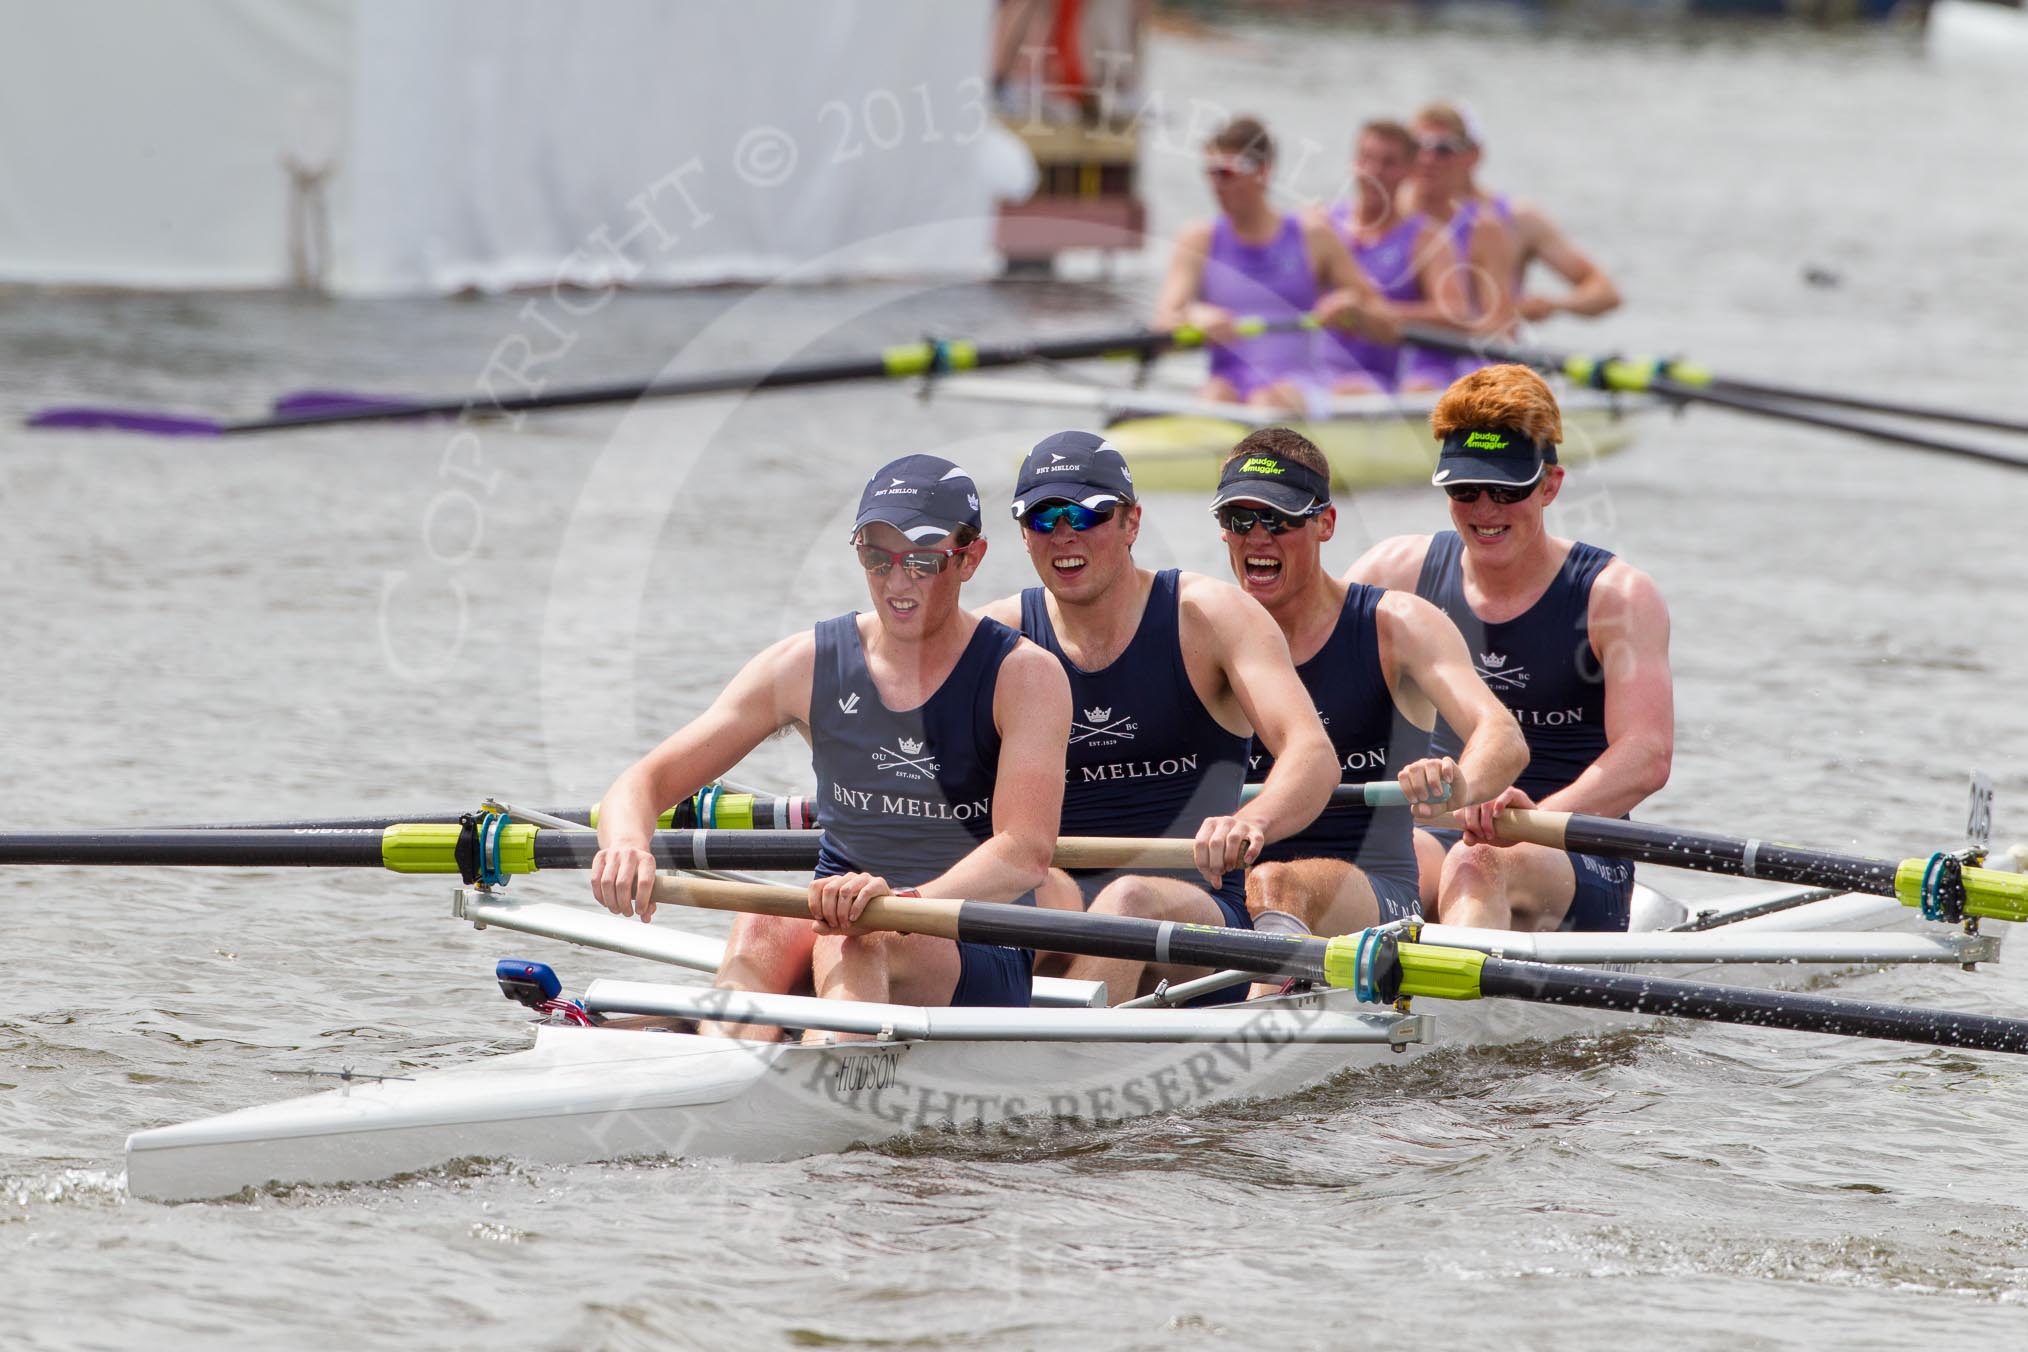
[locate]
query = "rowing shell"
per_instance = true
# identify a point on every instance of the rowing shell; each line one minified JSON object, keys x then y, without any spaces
{"x":1175,"y":442}
{"x":585,"y":1094}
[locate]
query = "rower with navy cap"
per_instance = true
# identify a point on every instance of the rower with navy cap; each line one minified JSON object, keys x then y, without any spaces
{"x":1171,"y":673}
{"x":1368,"y":658}
{"x":1598,"y":712}
{"x":937,"y":739}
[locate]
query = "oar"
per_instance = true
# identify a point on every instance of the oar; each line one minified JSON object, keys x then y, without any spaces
{"x":1989,"y":893}
{"x":724,"y":810}
{"x":1377,"y":793}
{"x":515,"y":848}
{"x":1375,"y":966}
{"x":1689,"y":383}
{"x":711,"y":810}
{"x":929,"y":358}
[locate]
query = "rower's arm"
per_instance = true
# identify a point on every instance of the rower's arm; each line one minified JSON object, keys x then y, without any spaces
{"x":1350,"y":301}
{"x":1591,"y":291}
{"x":770,"y":693}
{"x":1446,"y":300}
{"x":1031,"y":708}
{"x":1630,"y":634}
{"x":1395,"y":563}
{"x":1495,"y":259}
{"x":1430,"y":672}
{"x":1180,"y":285}
{"x":1248,"y":644}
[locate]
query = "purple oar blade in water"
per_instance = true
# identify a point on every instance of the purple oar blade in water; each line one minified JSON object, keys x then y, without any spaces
{"x":127,"y":420}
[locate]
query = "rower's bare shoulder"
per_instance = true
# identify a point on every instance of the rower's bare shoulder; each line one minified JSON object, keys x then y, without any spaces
{"x":1402,"y":614}
{"x":1395,"y":563}
{"x":1624,"y":596}
{"x":1031,"y":672}
{"x":1195,"y":238}
{"x":1007,"y":610}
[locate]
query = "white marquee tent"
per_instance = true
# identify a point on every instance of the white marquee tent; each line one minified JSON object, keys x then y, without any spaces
{"x":390,"y":146}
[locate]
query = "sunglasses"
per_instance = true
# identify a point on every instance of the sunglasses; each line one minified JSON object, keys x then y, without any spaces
{"x":1229,"y":170}
{"x":1242,"y":520}
{"x":1506,"y":497}
{"x":1444,"y":145}
{"x":1081,"y":518}
{"x":914,"y":562}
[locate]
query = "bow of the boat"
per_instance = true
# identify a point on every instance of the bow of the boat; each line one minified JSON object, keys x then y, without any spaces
{"x":577,"y":1094}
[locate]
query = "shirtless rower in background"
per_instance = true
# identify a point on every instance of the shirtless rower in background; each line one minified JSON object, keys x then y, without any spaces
{"x":1574,"y":641}
{"x":1255,"y":261}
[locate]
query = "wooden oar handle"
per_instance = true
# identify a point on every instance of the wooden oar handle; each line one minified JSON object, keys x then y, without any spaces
{"x":1124,"y":852}
{"x":1518,"y":825}
{"x":908,"y":915}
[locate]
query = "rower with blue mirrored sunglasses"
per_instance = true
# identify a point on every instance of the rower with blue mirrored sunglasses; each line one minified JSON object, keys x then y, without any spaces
{"x":1074,"y":514}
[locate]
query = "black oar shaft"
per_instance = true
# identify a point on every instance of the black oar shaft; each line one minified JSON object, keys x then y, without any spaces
{"x":1740,"y":396}
{"x":1156,"y":941}
{"x":1923,"y":412}
{"x":1741,"y":857}
{"x":1592,"y":989}
{"x":199,"y":848}
{"x":787,"y":850}
{"x":1723,"y":398}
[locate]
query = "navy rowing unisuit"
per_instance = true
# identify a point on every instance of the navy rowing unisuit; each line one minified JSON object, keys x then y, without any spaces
{"x":1349,"y":688}
{"x":906,"y":793}
{"x":1146,"y":758}
{"x":1542,"y":666}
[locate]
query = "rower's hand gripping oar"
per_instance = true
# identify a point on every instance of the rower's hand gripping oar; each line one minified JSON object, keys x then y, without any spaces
{"x":930,"y":358}
{"x":1374,"y":964}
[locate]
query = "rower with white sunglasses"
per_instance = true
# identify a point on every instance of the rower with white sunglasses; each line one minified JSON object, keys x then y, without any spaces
{"x":937,"y":740}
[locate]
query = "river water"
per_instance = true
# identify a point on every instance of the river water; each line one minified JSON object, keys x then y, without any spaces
{"x":397,"y":618}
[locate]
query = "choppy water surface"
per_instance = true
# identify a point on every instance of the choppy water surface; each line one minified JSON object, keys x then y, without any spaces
{"x":395,"y":618}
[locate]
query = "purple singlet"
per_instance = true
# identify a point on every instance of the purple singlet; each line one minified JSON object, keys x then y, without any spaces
{"x":1390,"y":264}
{"x":1272,"y":281}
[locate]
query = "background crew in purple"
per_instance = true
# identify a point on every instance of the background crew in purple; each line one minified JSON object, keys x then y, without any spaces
{"x":1255,"y":261}
{"x":1408,"y":258}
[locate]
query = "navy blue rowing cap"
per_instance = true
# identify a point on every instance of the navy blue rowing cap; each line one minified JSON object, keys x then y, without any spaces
{"x":1491,"y":455}
{"x":1277,"y":481}
{"x":925,"y":497}
{"x":1079,"y":467}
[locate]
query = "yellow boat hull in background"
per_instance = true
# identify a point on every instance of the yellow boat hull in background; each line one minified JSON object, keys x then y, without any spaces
{"x":1181,"y":452}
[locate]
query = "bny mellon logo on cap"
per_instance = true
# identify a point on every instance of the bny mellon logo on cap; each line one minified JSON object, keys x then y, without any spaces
{"x":1485,"y":441}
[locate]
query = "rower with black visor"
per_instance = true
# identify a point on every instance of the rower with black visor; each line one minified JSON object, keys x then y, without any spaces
{"x":1380,"y":667}
{"x":1573,"y":640}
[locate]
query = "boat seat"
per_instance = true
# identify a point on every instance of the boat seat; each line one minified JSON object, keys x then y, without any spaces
{"x":1063,"y":993}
